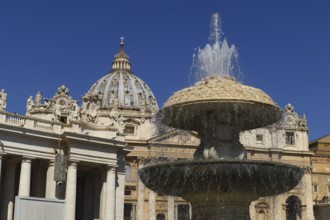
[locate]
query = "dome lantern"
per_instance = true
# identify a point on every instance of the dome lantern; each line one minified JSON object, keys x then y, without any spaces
{"x":121,"y":59}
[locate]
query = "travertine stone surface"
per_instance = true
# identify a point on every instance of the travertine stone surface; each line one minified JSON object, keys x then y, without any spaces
{"x":219,"y":88}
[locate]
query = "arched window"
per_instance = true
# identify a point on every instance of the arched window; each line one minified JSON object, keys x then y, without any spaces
{"x":183,"y":212}
{"x":293,"y":208}
{"x":261,"y":215}
{"x":128,"y":172}
{"x":262,"y":210}
{"x":160,"y":217}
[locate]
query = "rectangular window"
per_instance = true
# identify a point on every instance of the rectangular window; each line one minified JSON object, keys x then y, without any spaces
{"x":259,"y":138}
{"x":129,"y":129}
{"x":128,"y":211}
{"x":128,"y":192}
{"x":289,"y":138}
{"x":315,"y":188}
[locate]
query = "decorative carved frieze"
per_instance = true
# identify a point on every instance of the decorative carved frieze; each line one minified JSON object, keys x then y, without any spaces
{"x":291,"y":119}
{"x":91,"y":104}
{"x":61,"y":107}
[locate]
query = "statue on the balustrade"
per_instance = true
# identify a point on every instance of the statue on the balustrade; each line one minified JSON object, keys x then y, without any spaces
{"x":29,"y":105}
{"x":75,"y":110}
{"x":38,"y":99}
{"x":3,"y":99}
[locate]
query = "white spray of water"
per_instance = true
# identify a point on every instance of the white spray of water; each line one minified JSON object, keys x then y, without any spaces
{"x":217,"y":58}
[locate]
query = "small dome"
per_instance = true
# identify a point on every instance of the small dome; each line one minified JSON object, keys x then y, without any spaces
{"x":122,"y":88}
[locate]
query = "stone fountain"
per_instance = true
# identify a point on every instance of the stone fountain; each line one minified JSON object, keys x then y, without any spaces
{"x":219,"y":182}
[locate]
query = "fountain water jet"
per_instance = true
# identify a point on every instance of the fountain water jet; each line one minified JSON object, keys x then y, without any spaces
{"x":217,"y":58}
{"x":220,"y":183}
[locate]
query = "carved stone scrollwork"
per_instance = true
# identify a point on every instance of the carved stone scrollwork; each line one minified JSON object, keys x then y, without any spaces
{"x":292,"y":120}
{"x":121,"y":124}
{"x":61,"y":107}
{"x":308,"y":170}
{"x":91,"y":105}
{"x":141,"y":162}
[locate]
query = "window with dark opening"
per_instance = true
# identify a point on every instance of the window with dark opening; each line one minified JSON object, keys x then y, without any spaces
{"x":259,"y":138}
{"x":128,"y":209}
{"x":289,"y":138}
{"x":129,"y":129}
{"x":183,"y":212}
{"x":63,"y":120}
{"x":293,"y":208}
{"x":160,"y":217}
{"x":128,"y":192}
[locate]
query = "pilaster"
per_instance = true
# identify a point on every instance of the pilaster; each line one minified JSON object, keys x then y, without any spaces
{"x":25,"y":177}
{"x":0,"y":167}
{"x":308,"y":192}
{"x":120,"y":189}
{"x":152,"y":205}
{"x":71,"y":190}
{"x":140,"y":195}
{"x":50,"y":182}
{"x":110,"y":203}
{"x":8,"y":198}
{"x":170,"y":208}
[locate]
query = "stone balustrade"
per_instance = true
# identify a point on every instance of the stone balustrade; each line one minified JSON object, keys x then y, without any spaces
{"x":32,"y":123}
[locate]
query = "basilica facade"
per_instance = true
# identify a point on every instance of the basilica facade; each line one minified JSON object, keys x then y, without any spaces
{"x":65,"y":161}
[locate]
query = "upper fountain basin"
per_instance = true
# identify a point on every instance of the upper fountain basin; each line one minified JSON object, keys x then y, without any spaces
{"x":231,"y":102}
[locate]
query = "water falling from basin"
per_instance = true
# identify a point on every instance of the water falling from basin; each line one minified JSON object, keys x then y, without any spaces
{"x":219,"y":182}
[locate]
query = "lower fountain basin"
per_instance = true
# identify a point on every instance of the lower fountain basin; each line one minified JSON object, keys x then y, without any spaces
{"x":221,"y":177}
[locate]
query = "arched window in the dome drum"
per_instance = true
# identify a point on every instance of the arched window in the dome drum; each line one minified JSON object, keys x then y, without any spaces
{"x":293,"y":208}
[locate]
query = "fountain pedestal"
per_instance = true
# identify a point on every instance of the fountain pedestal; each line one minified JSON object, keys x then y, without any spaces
{"x":216,"y":210}
{"x":223,"y":206}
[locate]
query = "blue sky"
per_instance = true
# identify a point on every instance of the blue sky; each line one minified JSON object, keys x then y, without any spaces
{"x":283,"y":47}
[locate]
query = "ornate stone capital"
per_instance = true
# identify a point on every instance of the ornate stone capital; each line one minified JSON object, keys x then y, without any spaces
{"x":73,"y":163}
{"x":27,"y":159}
{"x":308,"y":170}
{"x":111,"y":168}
